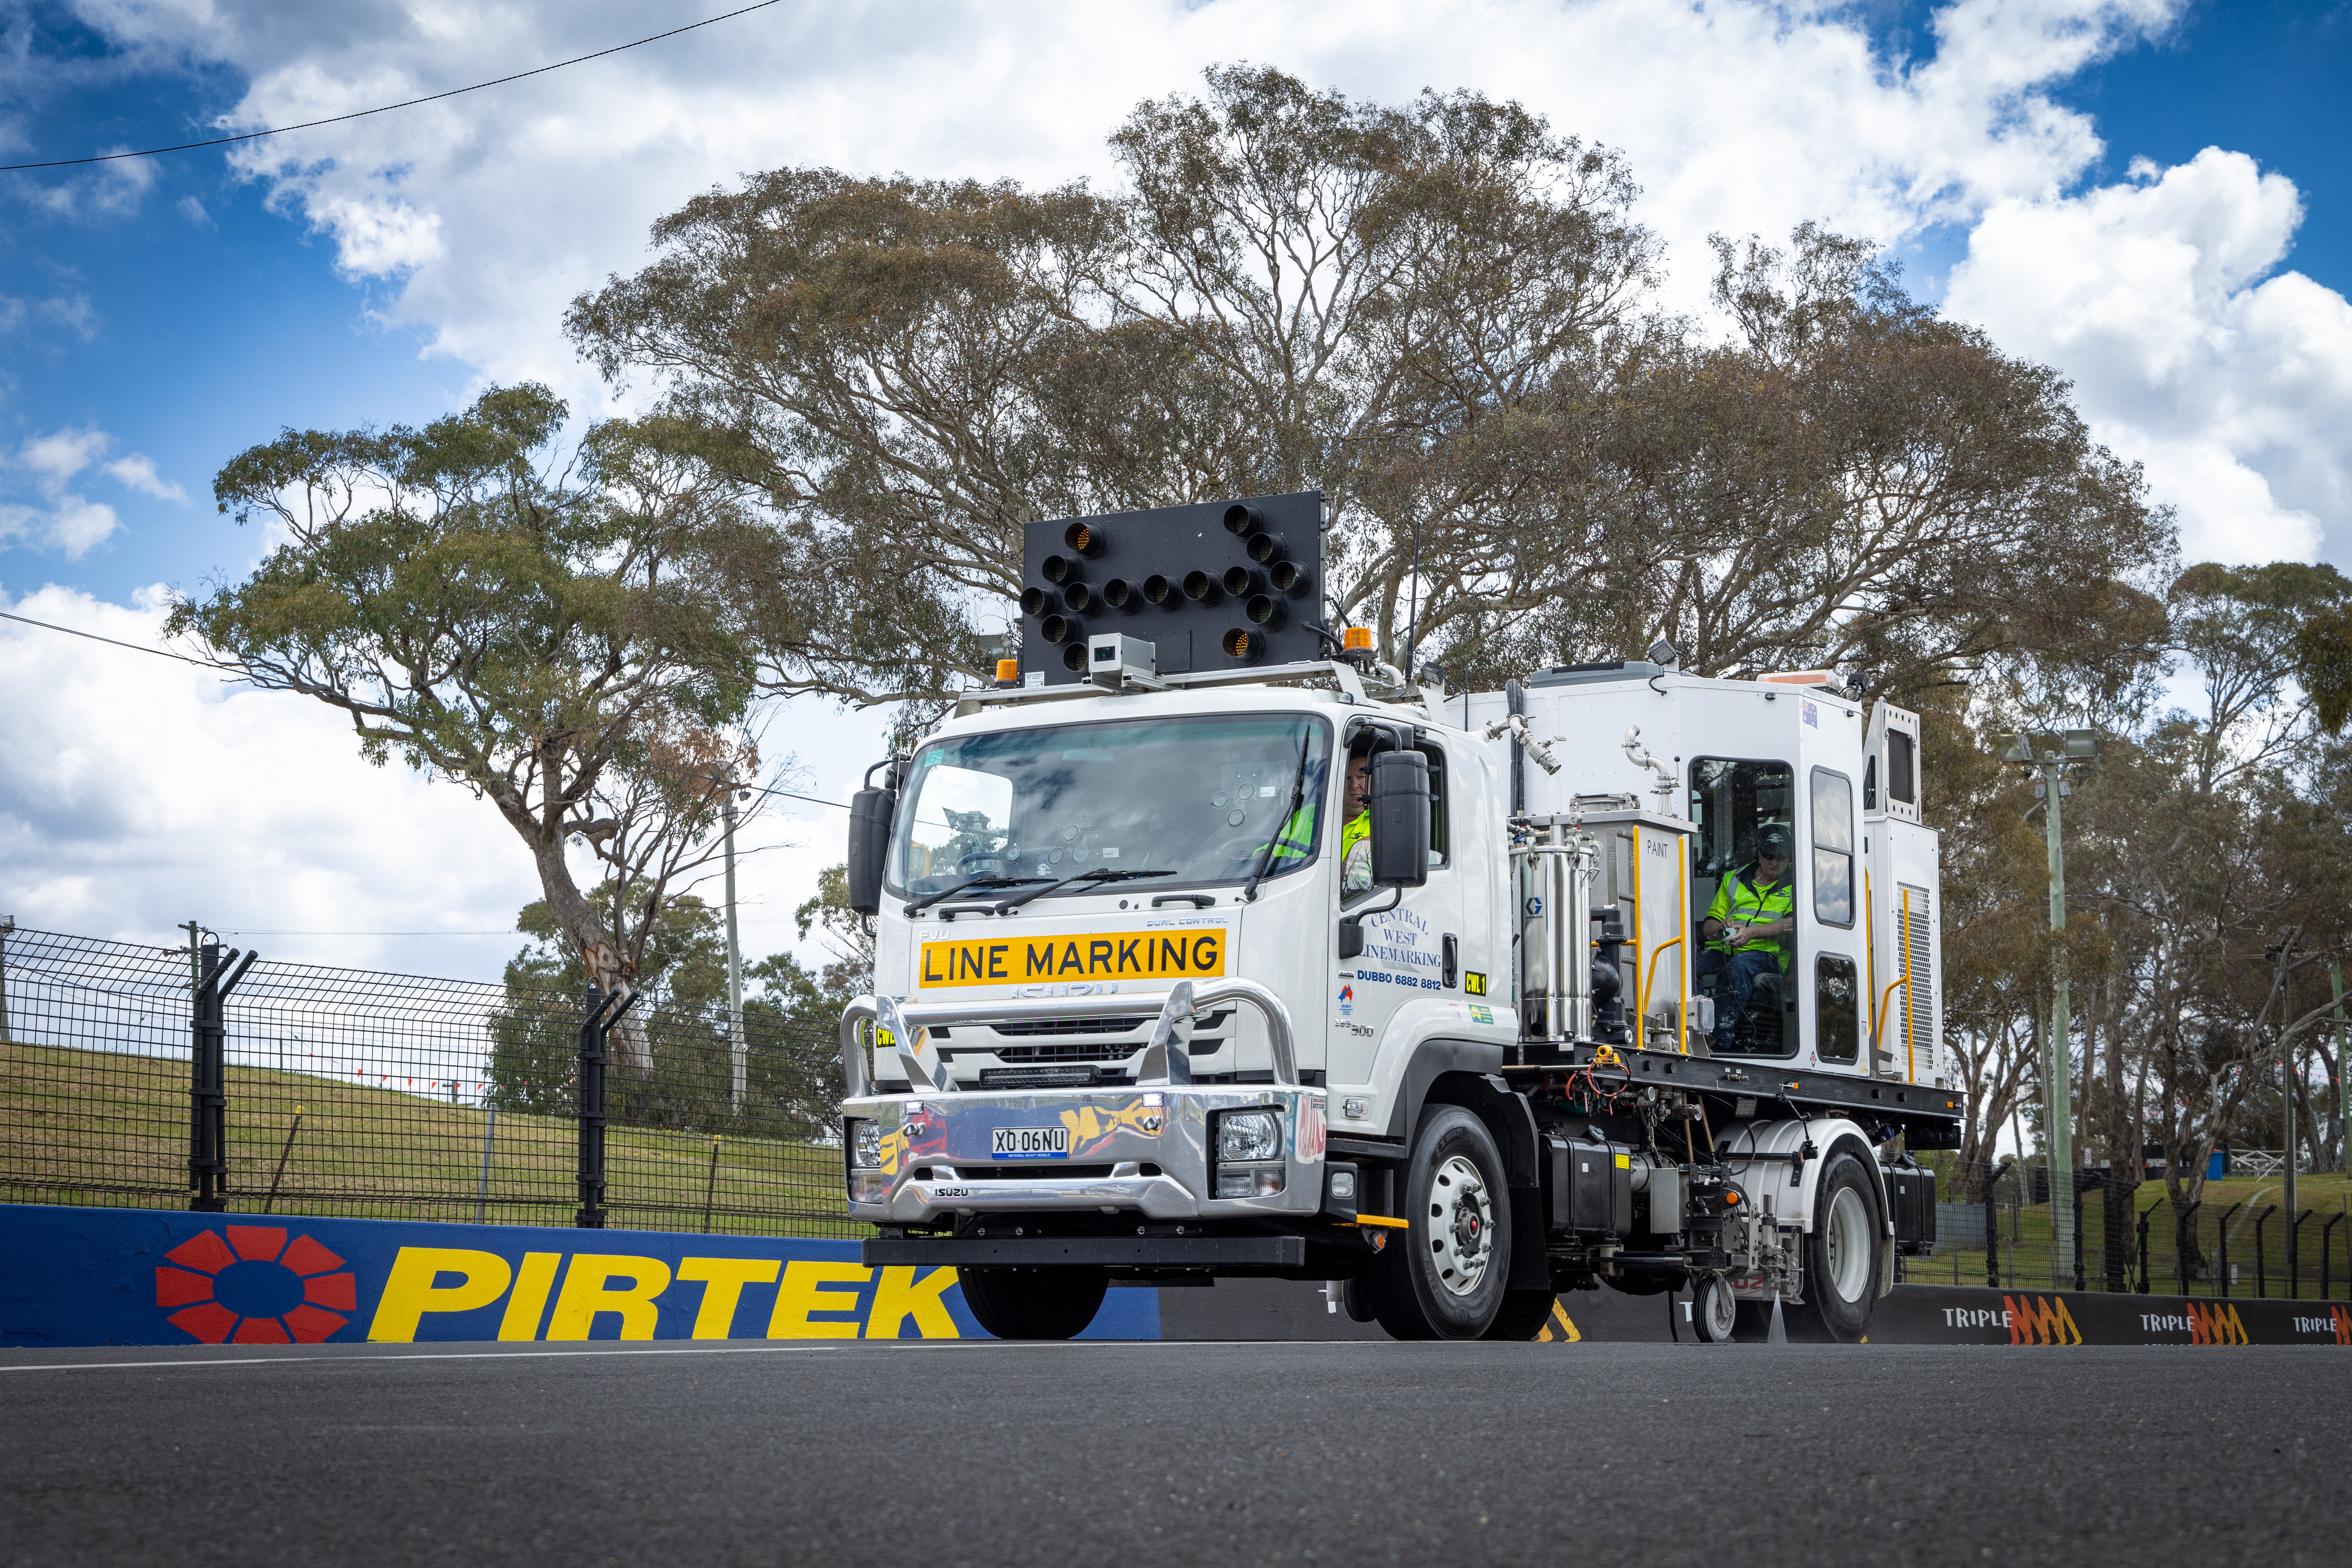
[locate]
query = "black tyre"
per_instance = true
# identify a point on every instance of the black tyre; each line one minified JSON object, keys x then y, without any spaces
{"x":1522,"y":1316}
{"x":1714,"y":1313}
{"x":1033,"y":1303}
{"x":1444,"y":1277}
{"x":1844,"y":1255}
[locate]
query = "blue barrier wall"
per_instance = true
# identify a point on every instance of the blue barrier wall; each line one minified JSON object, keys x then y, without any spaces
{"x":147,"y":1277}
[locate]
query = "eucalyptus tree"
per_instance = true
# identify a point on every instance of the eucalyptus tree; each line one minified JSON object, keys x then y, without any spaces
{"x":1297,"y":291}
{"x":542,"y":630}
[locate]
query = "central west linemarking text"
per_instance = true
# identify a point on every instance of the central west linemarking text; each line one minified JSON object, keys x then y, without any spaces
{"x":1117,"y":955}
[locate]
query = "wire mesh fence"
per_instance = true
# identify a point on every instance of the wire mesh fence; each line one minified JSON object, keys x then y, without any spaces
{"x":357,"y":1092}
{"x":1999,"y":1226}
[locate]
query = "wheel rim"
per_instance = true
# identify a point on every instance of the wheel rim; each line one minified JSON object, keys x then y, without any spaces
{"x":1847,"y":1245}
{"x":1461,"y":1226}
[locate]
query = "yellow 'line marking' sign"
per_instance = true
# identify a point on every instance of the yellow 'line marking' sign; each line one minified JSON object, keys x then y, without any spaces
{"x":1184,"y":953}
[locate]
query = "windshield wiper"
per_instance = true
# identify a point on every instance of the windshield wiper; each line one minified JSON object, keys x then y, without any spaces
{"x":1101,"y":874}
{"x":927,"y":902}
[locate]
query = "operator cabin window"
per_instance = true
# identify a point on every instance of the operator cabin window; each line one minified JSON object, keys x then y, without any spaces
{"x":1832,"y":848}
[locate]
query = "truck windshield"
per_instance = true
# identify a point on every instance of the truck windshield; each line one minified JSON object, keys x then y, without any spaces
{"x":1198,"y":799}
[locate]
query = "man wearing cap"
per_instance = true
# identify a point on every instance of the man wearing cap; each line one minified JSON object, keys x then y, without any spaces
{"x":1747,"y":930}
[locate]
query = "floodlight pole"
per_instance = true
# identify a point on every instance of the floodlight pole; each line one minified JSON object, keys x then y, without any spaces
{"x":736,"y":1048}
{"x":2058,"y":1121}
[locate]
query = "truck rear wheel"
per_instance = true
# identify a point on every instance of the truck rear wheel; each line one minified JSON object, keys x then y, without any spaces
{"x":1033,"y":1303}
{"x":1843,"y":1255}
{"x":1523,"y":1315}
{"x":1443,"y":1276}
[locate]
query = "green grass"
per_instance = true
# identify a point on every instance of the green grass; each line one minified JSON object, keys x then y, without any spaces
{"x":100,"y":1127}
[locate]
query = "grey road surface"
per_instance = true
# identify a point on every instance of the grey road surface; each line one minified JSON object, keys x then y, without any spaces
{"x":862,"y":1454}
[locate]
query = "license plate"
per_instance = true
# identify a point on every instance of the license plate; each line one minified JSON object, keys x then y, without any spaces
{"x":1028,"y":1142}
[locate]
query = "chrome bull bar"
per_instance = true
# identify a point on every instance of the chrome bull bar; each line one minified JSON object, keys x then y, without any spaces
{"x":909,"y":1024}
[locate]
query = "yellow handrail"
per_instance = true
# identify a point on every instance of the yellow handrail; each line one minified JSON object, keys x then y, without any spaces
{"x":1650,"y":980}
{"x":1870,"y":960}
{"x":1878,"y":1030}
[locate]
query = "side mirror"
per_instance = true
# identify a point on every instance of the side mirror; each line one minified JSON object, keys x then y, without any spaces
{"x":870,"y":814}
{"x":1352,"y":938}
{"x":1399,"y":825}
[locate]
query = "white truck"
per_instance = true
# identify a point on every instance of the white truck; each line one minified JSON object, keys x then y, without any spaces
{"x":1302,"y":969}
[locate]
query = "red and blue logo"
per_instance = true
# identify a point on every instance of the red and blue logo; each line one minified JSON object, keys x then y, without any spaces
{"x":248,"y":1286}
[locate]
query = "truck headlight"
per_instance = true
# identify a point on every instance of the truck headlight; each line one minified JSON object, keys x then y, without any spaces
{"x":1248,"y":1136}
{"x":866,"y":1144}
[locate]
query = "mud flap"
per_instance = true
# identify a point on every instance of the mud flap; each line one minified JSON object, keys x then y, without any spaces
{"x":1530,"y":1269}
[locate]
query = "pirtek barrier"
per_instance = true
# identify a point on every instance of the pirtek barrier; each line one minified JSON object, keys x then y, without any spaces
{"x":143,"y":1277}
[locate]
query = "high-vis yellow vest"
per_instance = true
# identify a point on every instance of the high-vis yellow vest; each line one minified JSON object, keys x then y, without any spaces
{"x":1740,"y":902}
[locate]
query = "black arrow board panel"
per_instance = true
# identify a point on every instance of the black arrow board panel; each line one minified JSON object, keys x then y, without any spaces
{"x":1216,"y":586}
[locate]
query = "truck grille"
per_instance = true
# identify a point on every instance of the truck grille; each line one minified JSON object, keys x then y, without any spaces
{"x":1075,"y":1074}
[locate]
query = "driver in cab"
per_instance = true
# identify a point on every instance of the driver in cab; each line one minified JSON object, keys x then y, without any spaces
{"x":1747,"y":930}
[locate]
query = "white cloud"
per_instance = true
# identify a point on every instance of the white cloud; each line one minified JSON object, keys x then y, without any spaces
{"x":486,"y":212}
{"x":2160,"y":296}
{"x":57,"y":458}
{"x":65,"y":521}
{"x":138,"y":472}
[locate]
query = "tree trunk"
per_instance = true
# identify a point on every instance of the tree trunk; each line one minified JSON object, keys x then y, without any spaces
{"x":608,"y":968}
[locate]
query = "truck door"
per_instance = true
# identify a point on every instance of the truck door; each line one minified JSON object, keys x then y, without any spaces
{"x":1414,"y":946}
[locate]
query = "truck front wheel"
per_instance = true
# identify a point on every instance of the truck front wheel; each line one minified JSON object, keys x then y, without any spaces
{"x":1842,"y":1254}
{"x":1033,"y":1303}
{"x":1443,"y":1276}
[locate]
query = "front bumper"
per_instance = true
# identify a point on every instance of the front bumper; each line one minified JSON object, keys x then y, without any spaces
{"x":1143,"y":1152}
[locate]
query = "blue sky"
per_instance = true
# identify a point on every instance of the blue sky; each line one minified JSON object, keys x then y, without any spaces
{"x":2041,"y":166}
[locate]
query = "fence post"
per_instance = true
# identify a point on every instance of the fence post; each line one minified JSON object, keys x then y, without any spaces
{"x":2262,"y":1280}
{"x":1992,"y":1233}
{"x":2078,"y":1173}
{"x":596,"y":1030}
{"x":2182,"y":1220}
{"x":208,"y":1077}
{"x":2143,"y":1246}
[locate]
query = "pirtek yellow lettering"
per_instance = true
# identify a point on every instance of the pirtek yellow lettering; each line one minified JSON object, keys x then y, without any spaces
{"x":898,"y":1297}
{"x":534,"y":1281}
{"x":811,"y":1287}
{"x":1184,"y":953}
{"x":587,"y":1292}
{"x":724,"y":1278}
{"x":414,"y":1288}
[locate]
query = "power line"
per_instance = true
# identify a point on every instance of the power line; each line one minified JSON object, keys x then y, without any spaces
{"x":134,"y":648}
{"x":375,"y":933}
{"x":411,"y":103}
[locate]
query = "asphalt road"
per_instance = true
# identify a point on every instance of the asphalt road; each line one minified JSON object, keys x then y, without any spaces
{"x":1116,"y":1454}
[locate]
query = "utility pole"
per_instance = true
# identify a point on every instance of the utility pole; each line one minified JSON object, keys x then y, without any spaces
{"x":738,"y":1047}
{"x":195,"y":930}
{"x":2076,"y":746}
{"x":2343,"y":1121}
{"x":2286,"y":1093}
